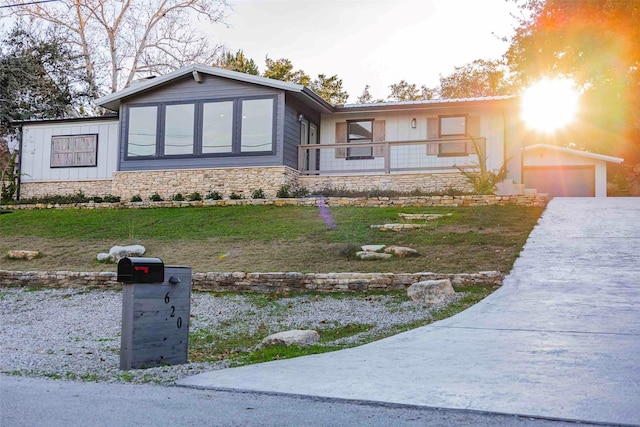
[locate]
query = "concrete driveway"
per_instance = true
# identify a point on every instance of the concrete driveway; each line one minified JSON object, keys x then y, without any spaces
{"x":559,"y":340}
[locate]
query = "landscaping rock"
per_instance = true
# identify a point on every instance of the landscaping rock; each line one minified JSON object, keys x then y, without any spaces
{"x":401,"y":251}
{"x":373,"y":248}
{"x":397,"y":227}
{"x":431,"y":291}
{"x":293,"y":337}
{"x":21,"y":254}
{"x":366,"y":255}
{"x":424,"y":217}
{"x":116,"y":253}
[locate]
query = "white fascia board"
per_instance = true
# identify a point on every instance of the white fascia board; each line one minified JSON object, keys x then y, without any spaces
{"x":574,"y":152}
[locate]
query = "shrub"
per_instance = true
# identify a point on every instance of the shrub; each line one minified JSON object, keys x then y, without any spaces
{"x":136,"y":198}
{"x":299,"y":192}
{"x":194,"y":197}
{"x":348,"y":250}
{"x":110,"y":198}
{"x":283,"y":191}
{"x":257,"y":194}
{"x":483,"y":180}
{"x":287,"y":191}
{"x":178,"y":197}
{"x":213,"y":195}
{"x":155,"y":197}
{"x":235,"y":196}
{"x":96,"y":199}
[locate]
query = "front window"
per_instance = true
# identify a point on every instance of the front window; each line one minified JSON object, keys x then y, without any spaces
{"x":178,"y":129}
{"x":359,"y":132}
{"x":257,"y":125}
{"x":74,"y":151}
{"x":141,"y":141}
{"x":452,"y":127}
{"x":217,"y":127}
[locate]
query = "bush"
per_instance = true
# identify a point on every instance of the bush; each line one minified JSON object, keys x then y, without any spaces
{"x":286,"y":191}
{"x":96,"y":199}
{"x":194,"y":197}
{"x":136,"y":198}
{"x":235,"y":196}
{"x":283,"y":191}
{"x":110,"y":198}
{"x":178,"y":197}
{"x":155,"y":197}
{"x":348,"y":250}
{"x":213,"y":195}
{"x":257,"y":194}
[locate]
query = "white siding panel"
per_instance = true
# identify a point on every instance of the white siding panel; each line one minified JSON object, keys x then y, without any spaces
{"x":36,"y":151}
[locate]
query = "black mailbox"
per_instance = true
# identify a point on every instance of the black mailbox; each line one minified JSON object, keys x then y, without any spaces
{"x":140,"y":270}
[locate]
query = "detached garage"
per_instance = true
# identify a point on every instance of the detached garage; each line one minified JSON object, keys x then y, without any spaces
{"x":564,"y":172}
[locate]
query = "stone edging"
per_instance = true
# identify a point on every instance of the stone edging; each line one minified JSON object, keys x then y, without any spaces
{"x":417,"y":201}
{"x":253,"y":282}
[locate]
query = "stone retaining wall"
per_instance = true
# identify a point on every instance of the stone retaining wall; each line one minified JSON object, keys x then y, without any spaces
{"x":167,"y":183}
{"x":427,"y":183}
{"x":417,"y":201}
{"x":253,"y":282}
{"x":61,"y":188}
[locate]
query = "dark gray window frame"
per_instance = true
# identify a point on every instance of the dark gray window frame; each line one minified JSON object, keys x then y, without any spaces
{"x":453,"y":136}
{"x":236,"y":143}
{"x":350,"y":141}
{"x":95,"y":157}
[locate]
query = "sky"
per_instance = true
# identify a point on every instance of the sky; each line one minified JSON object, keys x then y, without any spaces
{"x":374,"y":42}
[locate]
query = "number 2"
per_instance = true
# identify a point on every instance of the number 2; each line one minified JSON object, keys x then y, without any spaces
{"x":173,"y":311}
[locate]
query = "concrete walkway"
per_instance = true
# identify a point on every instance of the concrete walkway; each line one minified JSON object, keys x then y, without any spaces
{"x":559,"y":340}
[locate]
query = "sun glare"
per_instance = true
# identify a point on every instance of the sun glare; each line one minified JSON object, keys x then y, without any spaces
{"x":550,"y":104}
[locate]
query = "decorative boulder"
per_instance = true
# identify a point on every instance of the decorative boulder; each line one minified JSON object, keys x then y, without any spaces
{"x":373,"y":248}
{"x":401,"y":251}
{"x":293,"y":337}
{"x":368,"y":256}
{"x":116,"y":253}
{"x":20,"y":254}
{"x":431,"y":291}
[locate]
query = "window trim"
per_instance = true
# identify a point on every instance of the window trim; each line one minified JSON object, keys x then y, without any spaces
{"x":83,"y":135}
{"x":349,"y":141}
{"x":198,"y":128}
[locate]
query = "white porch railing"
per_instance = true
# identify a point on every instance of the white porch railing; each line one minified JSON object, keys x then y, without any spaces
{"x":389,"y":156}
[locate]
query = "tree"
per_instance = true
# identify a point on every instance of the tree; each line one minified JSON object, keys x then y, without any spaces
{"x":237,"y":62}
{"x":597,"y":43}
{"x":330,"y":89}
{"x":36,"y":79}
{"x":366,"y":97}
{"x":476,"y":79}
{"x":282,"y":69}
{"x":121,"y":39}
{"x":404,"y":91}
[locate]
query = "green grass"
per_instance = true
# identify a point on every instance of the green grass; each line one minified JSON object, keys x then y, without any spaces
{"x":268,"y":238}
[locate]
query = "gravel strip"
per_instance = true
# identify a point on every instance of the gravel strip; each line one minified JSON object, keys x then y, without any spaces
{"x":75,"y":334}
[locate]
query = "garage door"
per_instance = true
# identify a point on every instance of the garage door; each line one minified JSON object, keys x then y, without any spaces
{"x":566,"y":181}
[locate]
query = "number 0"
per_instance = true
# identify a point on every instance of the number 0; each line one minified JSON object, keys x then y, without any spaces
{"x":179,"y":322}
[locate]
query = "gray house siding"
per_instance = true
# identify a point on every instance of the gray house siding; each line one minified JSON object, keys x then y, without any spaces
{"x":293,"y":110}
{"x":212,"y":88}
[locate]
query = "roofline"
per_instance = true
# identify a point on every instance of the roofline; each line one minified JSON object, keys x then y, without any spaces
{"x":422,"y":104}
{"x":576,"y":152}
{"x":112,"y":101}
{"x":65,"y":120}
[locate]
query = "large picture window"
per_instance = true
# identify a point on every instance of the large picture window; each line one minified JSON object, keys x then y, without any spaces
{"x":179,"y":129}
{"x":240,"y":126}
{"x":141,"y":138}
{"x":453,"y":127}
{"x":359,"y":132}
{"x":73,"y":151}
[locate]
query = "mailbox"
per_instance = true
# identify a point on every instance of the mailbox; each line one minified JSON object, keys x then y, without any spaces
{"x":140,"y":270}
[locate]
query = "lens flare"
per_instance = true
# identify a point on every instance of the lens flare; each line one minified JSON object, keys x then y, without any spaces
{"x":550,"y":104}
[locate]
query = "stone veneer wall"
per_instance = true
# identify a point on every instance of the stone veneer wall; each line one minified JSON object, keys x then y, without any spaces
{"x":254,"y":282}
{"x":167,"y":183}
{"x":59,"y":188}
{"x":428,"y":183}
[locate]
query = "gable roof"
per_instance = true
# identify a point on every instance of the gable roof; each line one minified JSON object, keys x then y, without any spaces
{"x":422,"y":104}
{"x":574,"y":152}
{"x":112,"y":101}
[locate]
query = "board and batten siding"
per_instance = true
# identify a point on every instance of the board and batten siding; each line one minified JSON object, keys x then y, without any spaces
{"x":36,"y":151}
{"x":211,"y":88}
{"x":291,"y":137}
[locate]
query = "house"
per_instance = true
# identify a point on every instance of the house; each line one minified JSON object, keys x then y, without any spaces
{"x":207,"y":129}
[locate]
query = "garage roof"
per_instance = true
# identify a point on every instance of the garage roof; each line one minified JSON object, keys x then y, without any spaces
{"x":574,"y":152}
